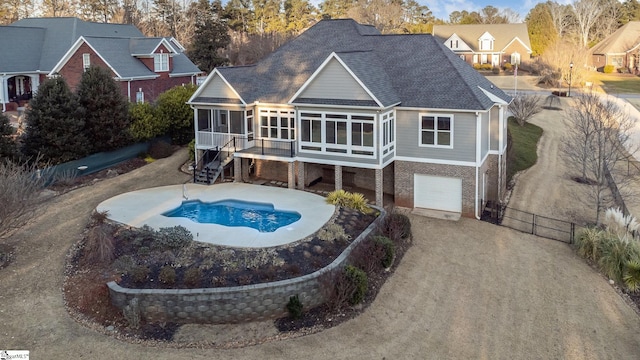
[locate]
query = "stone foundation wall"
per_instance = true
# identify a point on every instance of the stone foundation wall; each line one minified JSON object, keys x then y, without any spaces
{"x":232,"y":304}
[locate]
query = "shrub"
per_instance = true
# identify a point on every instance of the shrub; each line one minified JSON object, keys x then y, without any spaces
{"x":131,"y":313}
{"x":139,"y":274}
{"x":615,"y":255}
{"x":333,"y":232}
{"x":476,"y":66}
{"x":358,"y":202}
{"x":507,"y":66}
{"x":396,"y":227}
{"x":65,"y":177}
{"x":389,"y":250}
{"x":336,"y":289}
{"x":608,"y":69}
{"x":588,"y":243}
{"x":631,"y":276}
{"x":192,"y":150}
{"x":99,"y":217}
{"x":486,"y":67}
{"x":99,"y":247}
{"x":175,"y":237}
{"x":160,"y":149}
{"x":192,"y":277}
{"x":337,"y":197}
{"x":367,"y":256}
{"x":495,"y":70}
{"x":167,"y":275}
{"x":294,"y":306}
{"x":143,"y":251}
{"x":359,"y":282}
{"x":125,"y":263}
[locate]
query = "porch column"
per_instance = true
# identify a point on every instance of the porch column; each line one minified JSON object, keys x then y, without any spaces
{"x":237,"y":169}
{"x":245,"y":168}
{"x":3,"y":93}
{"x":291,"y":176}
{"x":379,"y":188}
{"x":338,"y":176}
{"x":300,"y":175}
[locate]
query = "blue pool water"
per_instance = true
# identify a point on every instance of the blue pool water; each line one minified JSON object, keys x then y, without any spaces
{"x":260,"y":216}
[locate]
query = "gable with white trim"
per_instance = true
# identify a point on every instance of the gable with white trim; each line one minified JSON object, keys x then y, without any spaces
{"x":334,"y":81}
{"x":455,"y":43}
{"x":218,"y":88}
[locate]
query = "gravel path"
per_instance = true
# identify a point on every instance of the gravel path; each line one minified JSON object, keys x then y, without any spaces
{"x":547,"y":188}
{"x":465,"y":290}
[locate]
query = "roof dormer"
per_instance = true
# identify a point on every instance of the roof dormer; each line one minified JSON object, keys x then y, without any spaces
{"x":455,"y":43}
{"x":485,"y":42}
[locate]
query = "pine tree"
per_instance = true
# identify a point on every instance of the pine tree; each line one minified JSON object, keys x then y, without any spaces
{"x":211,"y":35}
{"x":7,"y":143}
{"x":542,"y":33}
{"x":104,"y":110}
{"x":54,"y":128}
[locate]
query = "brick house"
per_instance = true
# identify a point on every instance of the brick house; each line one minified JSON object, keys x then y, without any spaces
{"x":494,"y":44}
{"x":397,"y":114}
{"x":38,"y":48}
{"x":620,"y":49}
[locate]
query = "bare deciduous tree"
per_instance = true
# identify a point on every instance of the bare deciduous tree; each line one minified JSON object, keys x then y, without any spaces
{"x":586,"y":14}
{"x":561,"y":15}
{"x":598,"y":137}
{"x":20,"y":195}
{"x":523,"y":107}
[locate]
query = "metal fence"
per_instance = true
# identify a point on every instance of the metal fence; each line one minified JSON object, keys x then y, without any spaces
{"x":543,"y":226}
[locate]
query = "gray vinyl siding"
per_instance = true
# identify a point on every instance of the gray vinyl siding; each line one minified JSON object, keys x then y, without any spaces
{"x":334,"y":82}
{"x":484,"y":134}
{"x":495,"y":128}
{"x":217,"y":88}
{"x":408,"y":132}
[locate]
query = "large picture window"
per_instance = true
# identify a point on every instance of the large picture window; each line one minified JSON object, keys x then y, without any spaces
{"x":338,"y":133}
{"x":277,"y":124}
{"x":436,"y":130}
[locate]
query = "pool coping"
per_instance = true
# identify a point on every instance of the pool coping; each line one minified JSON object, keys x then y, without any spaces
{"x":145,"y":207}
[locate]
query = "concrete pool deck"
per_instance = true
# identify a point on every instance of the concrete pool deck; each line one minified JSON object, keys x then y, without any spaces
{"x":145,"y":207}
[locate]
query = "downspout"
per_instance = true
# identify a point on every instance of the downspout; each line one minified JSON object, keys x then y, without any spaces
{"x":129,"y":90}
{"x":478,"y":146}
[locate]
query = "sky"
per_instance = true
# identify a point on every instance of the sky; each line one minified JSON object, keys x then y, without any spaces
{"x":442,"y":8}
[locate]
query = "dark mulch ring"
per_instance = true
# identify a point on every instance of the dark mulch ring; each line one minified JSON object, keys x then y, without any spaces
{"x":580,"y":180}
{"x":87,"y":298}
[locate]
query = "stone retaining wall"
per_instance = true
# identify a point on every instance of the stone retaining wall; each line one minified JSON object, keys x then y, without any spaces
{"x":230,"y":304}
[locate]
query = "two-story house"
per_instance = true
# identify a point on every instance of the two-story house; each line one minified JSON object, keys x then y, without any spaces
{"x":397,"y":114}
{"x":37,"y":48}
{"x":494,"y":44}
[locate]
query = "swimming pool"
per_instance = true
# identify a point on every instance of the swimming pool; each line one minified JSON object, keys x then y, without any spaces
{"x":145,"y":207}
{"x":260,"y":216}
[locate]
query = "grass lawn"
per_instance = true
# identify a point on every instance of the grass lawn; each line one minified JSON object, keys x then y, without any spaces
{"x":615,"y":83}
{"x":525,"y":143}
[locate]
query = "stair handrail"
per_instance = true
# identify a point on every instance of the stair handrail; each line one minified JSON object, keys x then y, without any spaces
{"x":215,"y":158}
{"x":199,"y":164}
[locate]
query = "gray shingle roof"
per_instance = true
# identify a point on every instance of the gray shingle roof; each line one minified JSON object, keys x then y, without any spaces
{"x":416,"y":70}
{"x":18,"y":46}
{"x":61,"y":33}
{"x":40,"y":43}
{"x":470,"y":33}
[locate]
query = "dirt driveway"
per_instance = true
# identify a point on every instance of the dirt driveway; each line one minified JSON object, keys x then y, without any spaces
{"x":465,"y":290}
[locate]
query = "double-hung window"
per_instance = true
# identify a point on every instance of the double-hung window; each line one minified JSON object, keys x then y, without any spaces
{"x":436,"y":130}
{"x":86,"y":61}
{"x":161,"y":62}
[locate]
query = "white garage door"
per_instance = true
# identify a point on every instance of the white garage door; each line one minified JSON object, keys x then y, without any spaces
{"x":437,"y":192}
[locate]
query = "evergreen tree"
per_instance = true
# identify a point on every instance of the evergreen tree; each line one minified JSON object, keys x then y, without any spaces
{"x":210,"y":36}
{"x":173,"y":111}
{"x":54,"y":128}
{"x":7,"y":143}
{"x":299,"y":15}
{"x":104,"y":110}
{"x":542,"y":32}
